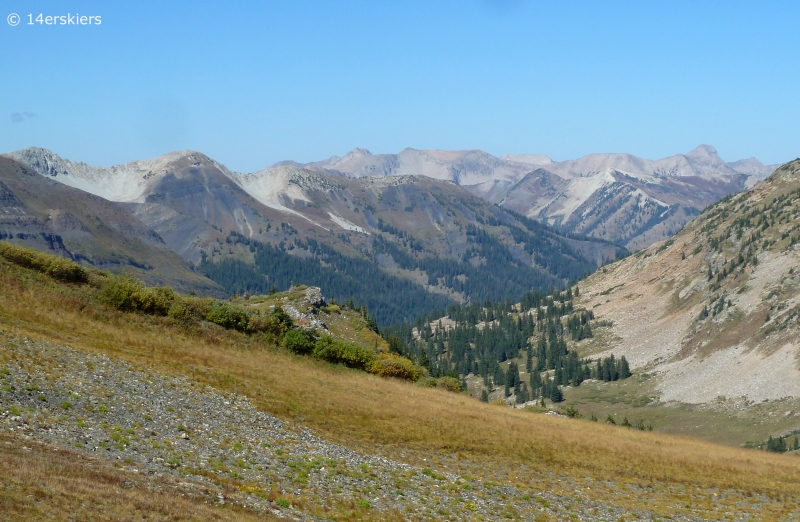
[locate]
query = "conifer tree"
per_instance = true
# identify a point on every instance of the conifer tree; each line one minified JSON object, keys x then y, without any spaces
{"x":624,"y":368}
{"x":529,"y":360}
{"x":484,"y":396}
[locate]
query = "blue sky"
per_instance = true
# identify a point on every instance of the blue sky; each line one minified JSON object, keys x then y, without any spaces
{"x":252,"y":83}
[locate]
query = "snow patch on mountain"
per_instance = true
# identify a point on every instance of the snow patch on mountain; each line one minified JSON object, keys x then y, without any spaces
{"x":578,"y":191}
{"x":345,"y":224}
{"x":272,"y":187}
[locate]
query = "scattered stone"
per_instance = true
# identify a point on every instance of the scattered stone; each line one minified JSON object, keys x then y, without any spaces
{"x":119,"y":412}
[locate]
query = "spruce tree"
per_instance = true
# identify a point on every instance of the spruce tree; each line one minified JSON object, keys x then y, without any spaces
{"x":624,"y":368}
{"x":484,"y":396}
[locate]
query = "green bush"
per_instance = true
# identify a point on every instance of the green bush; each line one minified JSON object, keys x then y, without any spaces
{"x":128,"y":294}
{"x":450,"y":384}
{"x":50,"y":265}
{"x":180,"y":312}
{"x":122,"y":292}
{"x":329,"y":349}
{"x":229,"y":316}
{"x":393,"y":365}
{"x":281,"y":320}
{"x":157,"y":300}
{"x":299,"y":341}
{"x":428,"y":382}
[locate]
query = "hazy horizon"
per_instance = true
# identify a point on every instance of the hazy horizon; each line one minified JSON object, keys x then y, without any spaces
{"x":255,"y":84}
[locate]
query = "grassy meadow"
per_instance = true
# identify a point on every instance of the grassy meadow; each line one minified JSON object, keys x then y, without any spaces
{"x":670,"y":475}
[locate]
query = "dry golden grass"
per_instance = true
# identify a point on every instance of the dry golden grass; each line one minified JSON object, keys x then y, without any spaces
{"x":667,"y":474}
{"x":41,"y":482}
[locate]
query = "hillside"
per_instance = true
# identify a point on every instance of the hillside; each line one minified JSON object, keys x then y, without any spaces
{"x":712,"y":311}
{"x":403,"y":245}
{"x":238,"y":419}
{"x":42,"y":213}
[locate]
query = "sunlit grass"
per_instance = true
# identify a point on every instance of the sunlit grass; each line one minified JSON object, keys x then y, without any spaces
{"x":407,"y":422}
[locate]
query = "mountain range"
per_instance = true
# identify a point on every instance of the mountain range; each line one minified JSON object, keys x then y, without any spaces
{"x":461,"y":225}
{"x":619,"y":197}
{"x":428,"y":238}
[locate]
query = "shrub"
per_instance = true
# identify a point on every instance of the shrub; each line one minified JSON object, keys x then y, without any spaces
{"x":229,"y":316}
{"x":428,"y":382}
{"x":393,"y":365}
{"x":128,"y":294}
{"x":122,"y":292}
{"x":180,"y":312}
{"x":450,"y":384}
{"x":299,"y":341}
{"x":281,"y":319}
{"x":50,"y":265}
{"x":329,"y":349}
{"x":157,"y":300}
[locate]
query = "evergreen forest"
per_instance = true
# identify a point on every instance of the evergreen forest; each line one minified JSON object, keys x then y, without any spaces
{"x":477,"y":338}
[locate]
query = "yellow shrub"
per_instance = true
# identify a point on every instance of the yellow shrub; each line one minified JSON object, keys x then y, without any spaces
{"x":450,"y":384}
{"x":393,"y":365}
{"x":50,"y":265}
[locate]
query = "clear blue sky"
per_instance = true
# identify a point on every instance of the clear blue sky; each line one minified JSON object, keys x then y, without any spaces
{"x":252,"y":83}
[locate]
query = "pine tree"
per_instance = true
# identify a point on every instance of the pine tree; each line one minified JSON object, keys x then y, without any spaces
{"x":499,"y":376}
{"x":556,"y":395}
{"x":484,"y":396}
{"x":424,"y":361}
{"x":512,"y":377}
{"x":624,"y":368}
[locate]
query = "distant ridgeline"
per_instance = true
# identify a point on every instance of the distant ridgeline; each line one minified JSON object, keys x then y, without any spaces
{"x":475,"y":339}
{"x":391,"y":299}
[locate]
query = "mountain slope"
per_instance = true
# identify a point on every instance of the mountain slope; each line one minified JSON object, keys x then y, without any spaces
{"x":619,"y":197}
{"x":228,"y":413}
{"x":184,"y":196}
{"x":713,"y":311}
{"x":422,"y":235}
{"x":51,"y":216}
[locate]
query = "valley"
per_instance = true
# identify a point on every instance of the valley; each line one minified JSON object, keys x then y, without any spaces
{"x":429,"y":292}
{"x":379,"y":262}
{"x":429,"y":437}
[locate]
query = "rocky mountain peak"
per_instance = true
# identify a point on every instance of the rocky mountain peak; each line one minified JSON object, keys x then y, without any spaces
{"x":705,"y":154}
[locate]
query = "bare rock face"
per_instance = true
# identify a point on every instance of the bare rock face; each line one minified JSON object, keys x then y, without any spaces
{"x":314,"y":296}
